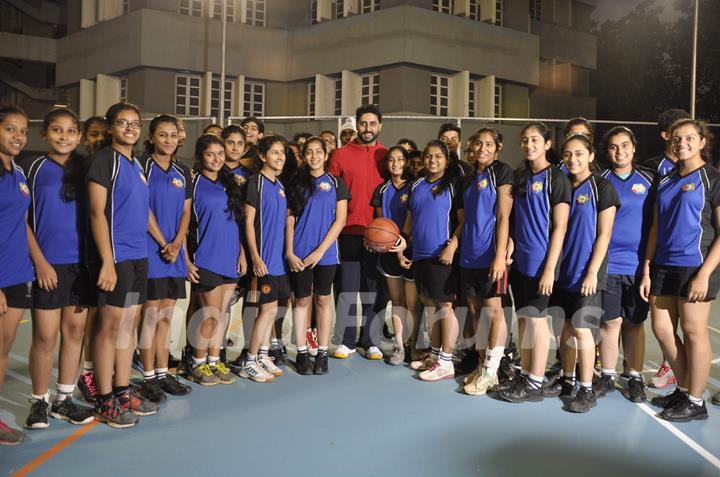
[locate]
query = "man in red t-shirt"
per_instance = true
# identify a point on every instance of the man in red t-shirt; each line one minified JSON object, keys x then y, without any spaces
{"x":359,"y":164}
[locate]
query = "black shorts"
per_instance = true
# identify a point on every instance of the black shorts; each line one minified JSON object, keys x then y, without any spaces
{"x":211,"y":280}
{"x":273,"y":288}
{"x":168,"y":288}
{"x":19,"y":296}
{"x":673,"y":281}
{"x":528,"y":302}
{"x":475,"y":283}
{"x":73,"y":289}
{"x":131,"y":286}
{"x":317,"y":280}
{"x":582,"y":311}
{"x":622,"y":299}
{"x":436,"y":281}
{"x":389,"y":266}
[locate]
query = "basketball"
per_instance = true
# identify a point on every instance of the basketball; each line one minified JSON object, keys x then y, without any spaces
{"x":381,"y":235}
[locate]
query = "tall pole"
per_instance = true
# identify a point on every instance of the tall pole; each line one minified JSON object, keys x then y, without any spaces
{"x":221,"y":107}
{"x":693,"y":81}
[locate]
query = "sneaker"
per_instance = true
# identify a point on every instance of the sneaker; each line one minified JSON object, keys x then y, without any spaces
{"x":222,"y":373}
{"x":186,"y":362}
{"x":171,"y":385}
{"x":150,"y":390}
{"x":67,"y":410}
{"x":473,"y":376}
{"x":685,"y":411}
{"x":481,"y":385}
{"x":10,"y":436}
{"x":469,"y":361}
{"x":312,"y":343}
{"x":604,"y":385}
{"x":303,"y":365}
{"x":636,"y":389}
{"x":343,"y":352}
{"x":114,"y":415}
{"x":223,"y":355}
{"x":278,"y":355}
{"x":138,"y":405}
{"x":173,"y":362}
{"x":437,"y":372}
{"x":669,"y":400}
{"x":321,"y":364}
{"x":373,"y":352}
{"x":551,"y":390}
{"x":86,"y":384}
{"x":585,"y":399}
{"x":38,"y":417}
{"x":716,"y":399}
{"x":137,"y":362}
{"x":507,"y":385}
{"x":237,"y":364}
{"x":506,"y":371}
{"x":663,"y":377}
{"x":561,"y":387}
{"x":203,"y":375}
{"x":269,"y":365}
{"x":254,"y":372}
{"x":424,"y":364}
{"x":398,"y":357}
{"x":522,"y":392}
{"x":554,"y":370}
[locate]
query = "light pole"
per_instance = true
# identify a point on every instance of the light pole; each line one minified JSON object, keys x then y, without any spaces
{"x":693,"y":80}
{"x":221,"y":106}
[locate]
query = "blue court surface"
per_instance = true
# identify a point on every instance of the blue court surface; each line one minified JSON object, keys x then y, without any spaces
{"x":367,"y":419}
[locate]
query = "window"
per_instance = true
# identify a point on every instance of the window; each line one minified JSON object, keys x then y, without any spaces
{"x":187,"y":94}
{"x":471,"y":99}
{"x":311,"y":98}
{"x":123,"y":89}
{"x":339,"y":8}
{"x":313,"y":12}
{"x":338,"y":96}
{"x":443,"y":6}
{"x":370,"y":92}
{"x":125,"y":6}
{"x":215,"y":96}
{"x":255,"y":13}
{"x":499,"y":12}
{"x":498,"y":100}
{"x":217,"y":10}
{"x":254,"y":99}
{"x":368,"y":6}
{"x":439,"y":89}
{"x":474,"y":10}
{"x":535,"y":9}
{"x":11,"y":19}
{"x":192,"y":8}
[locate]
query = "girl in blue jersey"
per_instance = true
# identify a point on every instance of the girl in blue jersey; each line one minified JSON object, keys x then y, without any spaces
{"x":119,"y":219}
{"x":318,"y":211}
{"x":16,"y":270}
{"x":265,"y":218}
{"x":541,"y":208}
{"x":486,"y":205}
{"x":680,"y":275}
{"x":217,"y":259}
{"x":234,"y":139}
{"x":57,"y":219}
{"x":391,"y":200}
{"x":435,"y":226}
{"x":583,"y":266}
{"x":623,"y":308}
{"x":170,"y":186}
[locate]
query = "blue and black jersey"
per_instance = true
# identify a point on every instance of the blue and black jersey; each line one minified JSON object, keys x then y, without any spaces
{"x":169,"y":189}
{"x":393,"y":201}
{"x":58,"y":224}
{"x":317,"y":217}
{"x":215,"y":232}
{"x":662,"y":165}
{"x":128,"y":202}
{"x":563,"y":168}
{"x":479,"y":199}
{"x":532,"y":218}
{"x":434,"y":217}
{"x":591,"y":197}
{"x":632,"y":221}
{"x":686,"y":225}
{"x":240,"y":174}
{"x":15,"y":264}
{"x":268,"y":199}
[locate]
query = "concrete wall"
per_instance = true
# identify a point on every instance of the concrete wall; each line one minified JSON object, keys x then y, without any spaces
{"x":564,"y":44}
{"x":405,"y":88}
{"x":551,"y":104}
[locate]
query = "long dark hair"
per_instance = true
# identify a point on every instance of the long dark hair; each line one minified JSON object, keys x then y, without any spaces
{"x":523,"y":172}
{"x":112,"y":114}
{"x":497,"y":139}
{"x":157,"y":121}
{"x":5,"y":111}
{"x":451,"y":171}
{"x":588,"y":145}
{"x":300,"y":185}
{"x":74,"y":175}
{"x":226,"y":178}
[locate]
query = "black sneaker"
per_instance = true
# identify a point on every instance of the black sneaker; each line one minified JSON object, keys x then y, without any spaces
{"x":237,"y":364}
{"x":523,"y":392}
{"x":668,"y":400}
{"x":38,"y":417}
{"x":278,"y":356}
{"x":506,"y":371}
{"x":321,"y":364}
{"x":604,"y":385}
{"x":567,"y":388}
{"x":554,"y":370}
{"x":469,"y":361}
{"x":223,"y":356}
{"x":684,"y":411}
{"x":68,"y":410}
{"x":585,"y":399}
{"x":636,"y":389}
{"x":509,"y":384}
{"x":716,"y":399}
{"x":186,"y":363}
{"x":303,"y":365}
{"x":552,"y":390}
{"x":150,"y":390}
{"x":170,"y":384}
{"x":173,"y":362}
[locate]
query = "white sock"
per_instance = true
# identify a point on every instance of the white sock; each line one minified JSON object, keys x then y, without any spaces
{"x":608,"y":372}
{"x":198,"y":361}
{"x":63,"y":391}
{"x":492,"y":359}
{"x":41,"y":397}
{"x":696,"y":401}
{"x":445,"y":359}
{"x":634,"y":374}
{"x":160,"y":373}
{"x":586,"y":385}
{"x":302,"y":349}
{"x":149,"y":375}
{"x":263,"y":351}
{"x":213,"y":360}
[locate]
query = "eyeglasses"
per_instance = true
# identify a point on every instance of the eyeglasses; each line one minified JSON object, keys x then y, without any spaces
{"x":124,"y":123}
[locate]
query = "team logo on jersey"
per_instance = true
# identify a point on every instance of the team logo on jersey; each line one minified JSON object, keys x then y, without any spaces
{"x":689,"y":187}
{"x":638,"y":189}
{"x":435,"y":189}
{"x":582,"y":199}
{"x":24,"y":188}
{"x":240,"y":180}
{"x":482,"y":184}
{"x":266,"y":289}
{"x":537,"y":186}
{"x":178,"y":183}
{"x":324,"y":186}
{"x":404,"y":198}
{"x":282,"y":192}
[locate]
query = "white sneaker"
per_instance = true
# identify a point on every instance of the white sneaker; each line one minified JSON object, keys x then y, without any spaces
{"x":343,"y":352}
{"x":481,"y":384}
{"x":423,"y":364}
{"x":269,"y":366}
{"x":373,"y":352}
{"x":437,"y":372}
{"x":255,"y":372}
